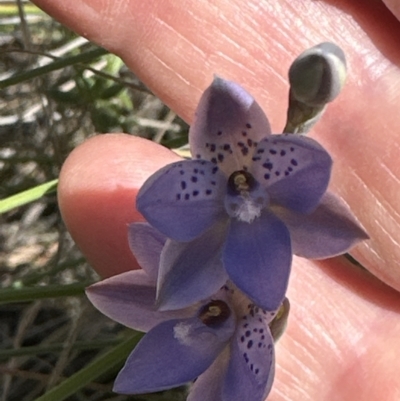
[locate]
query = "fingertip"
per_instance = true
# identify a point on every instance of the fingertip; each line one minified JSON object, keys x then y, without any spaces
{"x":97,"y":190}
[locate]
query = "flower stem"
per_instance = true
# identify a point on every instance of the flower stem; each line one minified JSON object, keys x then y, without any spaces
{"x":10,"y":295}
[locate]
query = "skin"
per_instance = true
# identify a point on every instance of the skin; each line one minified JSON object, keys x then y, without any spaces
{"x":343,"y":337}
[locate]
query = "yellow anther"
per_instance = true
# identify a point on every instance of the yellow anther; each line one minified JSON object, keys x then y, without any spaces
{"x":240,"y":182}
{"x":214,"y":310}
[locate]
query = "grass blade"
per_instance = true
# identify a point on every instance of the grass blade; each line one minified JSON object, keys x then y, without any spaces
{"x":10,"y":295}
{"x":103,"y":364}
{"x":27,"y":196}
{"x":55,"y":65}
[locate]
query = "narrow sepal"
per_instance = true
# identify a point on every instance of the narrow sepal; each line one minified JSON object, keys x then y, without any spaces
{"x":329,"y":231}
{"x":129,"y":298}
{"x":146,"y":243}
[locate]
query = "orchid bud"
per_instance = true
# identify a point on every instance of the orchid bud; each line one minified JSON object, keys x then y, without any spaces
{"x":317,"y":76}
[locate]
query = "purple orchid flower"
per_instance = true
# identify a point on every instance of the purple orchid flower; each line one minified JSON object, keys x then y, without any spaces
{"x":224,"y":342}
{"x":249,"y":198}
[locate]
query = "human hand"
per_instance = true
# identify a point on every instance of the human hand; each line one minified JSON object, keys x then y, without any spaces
{"x":344,"y":324}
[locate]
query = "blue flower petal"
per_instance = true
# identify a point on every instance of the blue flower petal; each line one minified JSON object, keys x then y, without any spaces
{"x":251,"y":368}
{"x":257,"y":257}
{"x":208,"y":386}
{"x":328,"y":231}
{"x":227,"y":127}
{"x":294,"y":169}
{"x":173,"y":353}
{"x":129,"y":298}
{"x":191,"y":272}
{"x":183,"y":199}
{"x":146,"y":243}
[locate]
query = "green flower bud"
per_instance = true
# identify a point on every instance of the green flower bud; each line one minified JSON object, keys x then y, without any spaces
{"x":317,"y":76}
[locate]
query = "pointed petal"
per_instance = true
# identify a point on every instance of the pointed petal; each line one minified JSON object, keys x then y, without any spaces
{"x":329,"y":231}
{"x":129,"y":299}
{"x":257,"y":257}
{"x":251,"y":368}
{"x":146,"y":243}
{"x":171,"y":354}
{"x":183,"y":199}
{"x":227,"y":126}
{"x":208,"y":386}
{"x":294,"y":169}
{"x":191,"y":272}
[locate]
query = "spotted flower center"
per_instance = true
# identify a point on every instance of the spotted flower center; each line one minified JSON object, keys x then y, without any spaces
{"x":245,"y":198}
{"x":214,"y":313}
{"x":241,"y":182}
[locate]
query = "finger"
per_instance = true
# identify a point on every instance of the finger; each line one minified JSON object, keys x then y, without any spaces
{"x":97,"y":190}
{"x":343,"y":327}
{"x":168,"y":40}
{"x":394,"y":7}
{"x":176,"y":47}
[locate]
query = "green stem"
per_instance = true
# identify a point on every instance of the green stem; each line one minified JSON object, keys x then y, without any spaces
{"x":103,"y":364}
{"x":10,"y":295}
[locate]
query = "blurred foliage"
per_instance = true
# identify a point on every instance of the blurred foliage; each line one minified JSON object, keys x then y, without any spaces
{"x":56,"y":90}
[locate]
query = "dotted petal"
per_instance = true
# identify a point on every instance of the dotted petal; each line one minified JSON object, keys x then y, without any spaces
{"x":228,"y":125}
{"x":251,"y":368}
{"x":183,"y":199}
{"x":295,"y":170}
